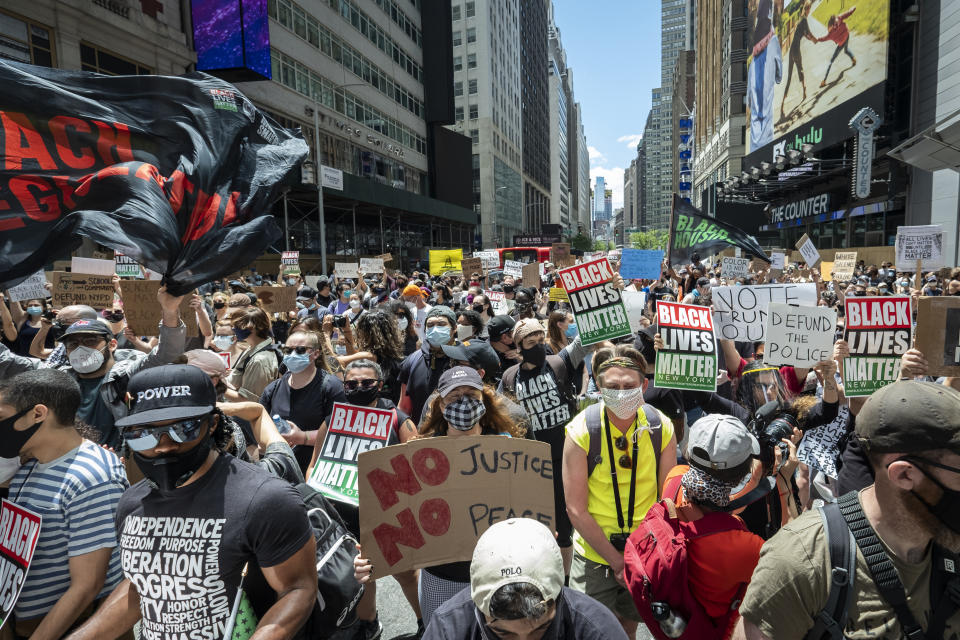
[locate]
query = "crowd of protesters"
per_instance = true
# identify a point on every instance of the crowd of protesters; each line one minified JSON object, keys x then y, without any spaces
{"x":166,"y":466}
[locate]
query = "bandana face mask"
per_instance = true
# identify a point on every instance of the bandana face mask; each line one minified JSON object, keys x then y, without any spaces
{"x":464,"y":413}
{"x":700,"y":487}
{"x":624,"y":403}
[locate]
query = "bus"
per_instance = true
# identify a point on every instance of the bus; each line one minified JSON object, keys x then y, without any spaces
{"x":524,"y":254}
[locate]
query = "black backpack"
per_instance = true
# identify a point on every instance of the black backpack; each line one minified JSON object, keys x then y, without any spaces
{"x":338,"y":592}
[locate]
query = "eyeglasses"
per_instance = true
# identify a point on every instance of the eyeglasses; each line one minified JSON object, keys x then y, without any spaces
{"x":299,"y":350}
{"x":143,"y":438}
{"x":91,"y":342}
{"x":366,"y":384}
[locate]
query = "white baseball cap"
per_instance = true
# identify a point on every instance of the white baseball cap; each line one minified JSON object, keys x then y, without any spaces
{"x":724,"y":441}
{"x":515,"y":550}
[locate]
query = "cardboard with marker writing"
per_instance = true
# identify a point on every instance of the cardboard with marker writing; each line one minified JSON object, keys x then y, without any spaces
{"x":19,"y":533}
{"x":277,"y":299}
{"x":143,"y":312}
{"x":33,"y":288}
{"x":799,"y":336}
{"x":470,"y":266}
{"x":427,"y":502}
{"x":938,"y":334}
{"x":82,"y":288}
{"x":808,"y":250}
{"x":740,"y":313}
{"x":531,"y":275}
{"x":844,"y":264}
{"x":597,"y":302}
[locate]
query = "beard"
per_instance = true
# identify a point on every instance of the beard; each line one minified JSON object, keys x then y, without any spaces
{"x":910,"y":508}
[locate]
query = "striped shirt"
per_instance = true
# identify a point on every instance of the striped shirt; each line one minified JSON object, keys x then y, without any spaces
{"x":77,"y":496}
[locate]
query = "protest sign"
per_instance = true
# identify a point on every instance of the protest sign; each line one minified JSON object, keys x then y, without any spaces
{"x":513,"y":268}
{"x":531,"y":275}
{"x":560,"y":254}
{"x":143,"y":312}
{"x":352,"y":430}
{"x":371,"y":265}
{"x":938,"y":334}
{"x":923,"y":243}
{"x":688,"y":359}
{"x":819,"y":446}
{"x":735,"y":267}
{"x":498,"y":300}
{"x":225,"y":356}
{"x":799,"y":336}
{"x":19,"y":532}
{"x":312,"y":281}
{"x":807,"y":249}
{"x":490,"y":259}
{"x":641,"y":264}
{"x":596,"y":301}
{"x":634,"y":302}
{"x":30,"y":289}
{"x":826,"y":271}
{"x":740,"y":313}
{"x":386,"y":257}
{"x":427,"y":502}
{"x":443,"y":260}
{"x":844,"y":263}
{"x":558,"y":295}
{"x":777,"y":261}
{"x":878,"y":332}
{"x":290,"y":263}
{"x":126,"y":267}
{"x":81,"y":288}
{"x":346,"y":269}
{"x":471,"y":266}
{"x":277,"y":299}
{"x":93,"y":266}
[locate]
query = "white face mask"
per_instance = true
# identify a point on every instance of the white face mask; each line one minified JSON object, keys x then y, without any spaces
{"x":412,"y":306}
{"x":223,"y":342}
{"x":354,"y":304}
{"x":624,"y":403}
{"x":402,"y":324}
{"x":464,"y":331}
{"x":85,"y":359}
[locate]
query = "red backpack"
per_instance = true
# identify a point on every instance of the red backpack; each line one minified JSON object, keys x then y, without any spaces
{"x":655,"y":569}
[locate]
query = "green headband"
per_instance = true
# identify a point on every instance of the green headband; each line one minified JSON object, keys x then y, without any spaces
{"x":625,"y":363}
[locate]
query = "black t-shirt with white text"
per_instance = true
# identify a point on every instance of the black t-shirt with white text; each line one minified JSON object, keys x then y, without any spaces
{"x":549,"y":404}
{"x":184,"y":550}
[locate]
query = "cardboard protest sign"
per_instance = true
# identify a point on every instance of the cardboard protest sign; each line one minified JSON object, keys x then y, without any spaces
{"x":490,"y":259}
{"x":277,"y":299}
{"x":735,"y":267}
{"x":531,"y":275}
{"x":513,"y":268}
{"x":93,"y":266}
{"x":826,"y":271}
{"x":688,"y":359}
{"x":126,"y":267}
{"x":290,"y":263}
{"x":777,"y":261}
{"x":386,"y":257}
{"x":371,"y":265}
{"x":498,"y":300}
{"x":30,"y":289}
{"x":312,"y":281}
{"x":346,"y":269}
{"x":740,"y":313}
{"x":799,"y":336}
{"x":471,"y":266}
{"x":938,"y":334}
{"x":878,"y":331}
{"x":807,"y":249}
{"x":922,"y":242}
{"x":560,"y":254}
{"x":641,"y":264}
{"x":844,"y":263}
{"x":443,"y":260}
{"x":558,"y":295}
{"x":143,"y":312}
{"x":19,"y":532}
{"x":634,"y":302}
{"x":352,"y":430}
{"x":596,"y":301}
{"x":427,"y":502}
{"x":819,"y":446}
{"x":81,"y":288}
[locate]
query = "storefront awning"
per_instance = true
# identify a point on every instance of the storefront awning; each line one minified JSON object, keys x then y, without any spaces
{"x":935,"y":148}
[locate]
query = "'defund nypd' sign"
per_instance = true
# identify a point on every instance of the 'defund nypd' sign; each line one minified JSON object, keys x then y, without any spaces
{"x":811,"y":206}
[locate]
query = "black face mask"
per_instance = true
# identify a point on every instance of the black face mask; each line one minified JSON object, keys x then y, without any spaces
{"x":11,"y":440}
{"x":362,"y":397}
{"x":219,"y":305}
{"x":947,"y":508}
{"x":168,"y":472}
{"x":114,"y":317}
{"x":535,"y":355}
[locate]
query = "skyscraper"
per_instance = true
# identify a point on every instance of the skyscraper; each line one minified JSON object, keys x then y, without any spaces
{"x":599,"y":191}
{"x":560,"y":146}
{"x":535,"y":113}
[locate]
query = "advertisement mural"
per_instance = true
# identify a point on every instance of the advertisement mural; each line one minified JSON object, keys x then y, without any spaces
{"x":232,"y":35}
{"x":812,"y":65}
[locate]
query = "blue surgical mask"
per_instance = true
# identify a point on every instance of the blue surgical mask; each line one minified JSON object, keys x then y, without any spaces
{"x":34,"y":311}
{"x":439,"y":335}
{"x":571,"y":331}
{"x":296,"y":362}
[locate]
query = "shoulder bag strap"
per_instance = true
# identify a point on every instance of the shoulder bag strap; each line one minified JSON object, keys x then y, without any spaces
{"x":881,"y":567}
{"x":656,"y":439}
{"x":832,"y":619}
{"x":593,"y":419}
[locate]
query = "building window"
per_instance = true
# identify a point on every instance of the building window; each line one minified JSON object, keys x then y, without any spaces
{"x":475,"y":136}
{"x":474,"y":112}
{"x":25,"y":41}
{"x":472,"y":34}
{"x":458,"y":114}
{"x":458,"y":88}
{"x":471,"y":9}
{"x":473,"y":87}
{"x":457,"y":63}
{"x":457,"y":38}
{"x":456,"y":12}
{"x":96,"y":59}
{"x":471,"y":61}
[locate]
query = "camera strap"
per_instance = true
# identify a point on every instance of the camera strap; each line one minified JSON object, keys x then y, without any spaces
{"x":613,"y":475}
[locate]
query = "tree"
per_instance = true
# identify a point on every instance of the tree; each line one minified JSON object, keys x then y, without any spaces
{"x":581,"y":242}
{"x":602,"y":245}
{"x":655,"y":239}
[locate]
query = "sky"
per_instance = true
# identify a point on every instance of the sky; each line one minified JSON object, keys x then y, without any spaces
{"x":613,"y":47}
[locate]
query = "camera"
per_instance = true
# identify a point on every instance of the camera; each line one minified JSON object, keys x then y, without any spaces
{"x":770,"y":425}
{"x":619,"y":541}
{"x":50,"y":315}
{"x":339,"y":321}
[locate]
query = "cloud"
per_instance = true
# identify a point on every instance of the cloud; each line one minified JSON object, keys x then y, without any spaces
{"x":632,"y":140}
{"x":596,"y":156}
{"x":614,"y":180}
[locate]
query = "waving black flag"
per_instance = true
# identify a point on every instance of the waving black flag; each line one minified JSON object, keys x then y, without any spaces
{"x":176,"y":172}
{"x":692,"y":232}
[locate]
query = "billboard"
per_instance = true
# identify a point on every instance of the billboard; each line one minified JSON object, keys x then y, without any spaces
{"x":812,"y":65}
{"x":232,"y":36}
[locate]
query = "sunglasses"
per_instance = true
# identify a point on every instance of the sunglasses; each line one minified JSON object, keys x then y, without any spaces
{"x":143,"y":438}
{"x":366,"y":385}
{"x":625,"y":460}
{"x":91,"y":342}
{"x":298,"y":350}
